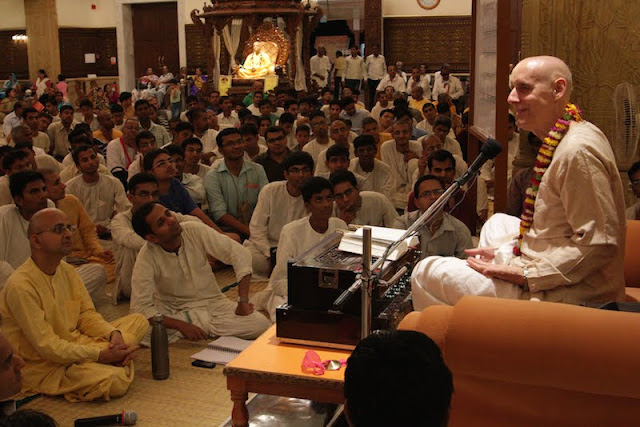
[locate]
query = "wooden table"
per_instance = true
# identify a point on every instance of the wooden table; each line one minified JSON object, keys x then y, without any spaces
{"x":270,"y":367}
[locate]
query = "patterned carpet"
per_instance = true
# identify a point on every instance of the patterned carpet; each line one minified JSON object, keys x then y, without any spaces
{"x":190,"y":396}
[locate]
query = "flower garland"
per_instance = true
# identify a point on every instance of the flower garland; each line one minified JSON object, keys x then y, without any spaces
{"x":545,"y":155}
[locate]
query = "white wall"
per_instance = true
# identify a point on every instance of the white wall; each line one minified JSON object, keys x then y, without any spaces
{"x":396,"y":8}
{"x":78,"y":13}
{"x":12,"y":15}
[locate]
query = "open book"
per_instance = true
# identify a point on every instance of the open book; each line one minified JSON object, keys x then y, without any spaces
{"x":381,"y":237}
{"x":223,"y":350}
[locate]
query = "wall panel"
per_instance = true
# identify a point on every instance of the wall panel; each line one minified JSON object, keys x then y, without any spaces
{"x":75,"y":42}
{"x":14,"y":56}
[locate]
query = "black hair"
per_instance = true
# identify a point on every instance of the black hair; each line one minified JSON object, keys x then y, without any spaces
{"x":76,"y":152}
{"x":116,"y":108}
{"x":337,"y":151}
{"x":287,"y":118}
{"x":442,"y":108}
{"x":264,"y":102}
{"x":78,"y":136}
{"x":195,"y":113}
{"x":145,"y":134}
{"x":147,"y":161}
{"x":173,"y":149}
{"x":124,"y":96}
{"x":244,"y":113}
{"x":298,"y":158}
{"x":363,"y":140}
{"x":139,"y":219}
{"x":249,"y":129}
{"x":409,"y":367}
{"x":19,"y":181}
{"x":184,"y":126}
{"x":11,"y":157}
{"x":226,"y":132}
{"x":263,"y":118}
{"x":442,"y":121}
{"x":315,"y":185}
{"x":440,"y":156}
{"x":27,"y":111}
{"x":315,"y":114}
{"x":191,"y":98}
{"x":632,"y":170}
{"x":273,"y":129}
{"x":192,"y":141}
{"x":303,"y":128}
{"x":85,"y":103}
{"x":427,"y":104}
{"x":388,"y":110}
{"x":23,"y":144}
{"x":138,"y":179}
{"x":140,"y":102}
{"x":64,"y":108}
{"x":368,"y":121}
{"x":289,"y":102}
{"x":338,"y":177}
{"x":346,"y":101}
{"x":423,"y":178}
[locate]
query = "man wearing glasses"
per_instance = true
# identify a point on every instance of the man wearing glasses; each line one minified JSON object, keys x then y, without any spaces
{"x":277,"y":152}
{"x":72,"y":352}
{"x":234,"y":184}
{"x":279,"y":203}
{"x":444,"y":235}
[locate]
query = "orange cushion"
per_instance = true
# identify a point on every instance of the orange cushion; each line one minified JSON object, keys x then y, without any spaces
{"x":632,"y":255}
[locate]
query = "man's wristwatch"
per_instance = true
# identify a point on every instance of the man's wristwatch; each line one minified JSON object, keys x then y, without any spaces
{"x":525,"y":276}
{"x":242,"y":300}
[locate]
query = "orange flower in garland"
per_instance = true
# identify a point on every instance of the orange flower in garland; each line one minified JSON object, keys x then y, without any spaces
{"x":545,"y":155}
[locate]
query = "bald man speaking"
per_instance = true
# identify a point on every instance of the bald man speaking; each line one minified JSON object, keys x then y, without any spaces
{"x":568,"y":246}
{"x":48,"y":317}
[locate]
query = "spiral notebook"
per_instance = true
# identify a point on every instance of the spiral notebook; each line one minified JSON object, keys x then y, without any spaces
{"x":223,"y":350}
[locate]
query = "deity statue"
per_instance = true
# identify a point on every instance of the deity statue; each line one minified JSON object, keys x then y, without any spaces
{"x":256,"y":65}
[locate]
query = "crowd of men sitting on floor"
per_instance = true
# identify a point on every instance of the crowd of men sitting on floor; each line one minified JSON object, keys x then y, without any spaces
{"x":248,"y":184}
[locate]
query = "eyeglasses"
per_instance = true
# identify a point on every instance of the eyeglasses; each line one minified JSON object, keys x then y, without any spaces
{"x":426,"y":194}
{"x":294,"y":170}
{"x":59,"y":229}
{"x":635,"y":182}
{"x":346,"y":193}
{"x":164,"y":163}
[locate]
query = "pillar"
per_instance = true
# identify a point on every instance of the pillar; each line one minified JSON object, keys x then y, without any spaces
{"x":42,"y":30}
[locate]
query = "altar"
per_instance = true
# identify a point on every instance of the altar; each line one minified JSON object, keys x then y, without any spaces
{"x":258,"y":40}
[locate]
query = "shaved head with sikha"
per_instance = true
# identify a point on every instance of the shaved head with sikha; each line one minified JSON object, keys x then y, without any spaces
{"x":45,"y":242}
{"x":541,"y":87}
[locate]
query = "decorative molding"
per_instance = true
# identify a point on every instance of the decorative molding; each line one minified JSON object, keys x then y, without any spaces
{"x":373,"y":23}
{"x":429,"y":40}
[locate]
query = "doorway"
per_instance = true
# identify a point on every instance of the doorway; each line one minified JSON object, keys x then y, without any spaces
{"x":155,"y":37}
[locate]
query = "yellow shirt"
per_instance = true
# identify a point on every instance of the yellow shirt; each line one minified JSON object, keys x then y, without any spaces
{"x":115,"y":133}
{"x":85,"y":240}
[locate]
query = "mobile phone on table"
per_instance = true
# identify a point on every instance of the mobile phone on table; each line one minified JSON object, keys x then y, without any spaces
{"x":203,"y":364}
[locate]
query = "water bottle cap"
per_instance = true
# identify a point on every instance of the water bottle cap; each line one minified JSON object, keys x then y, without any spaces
{"x":157,"y":317}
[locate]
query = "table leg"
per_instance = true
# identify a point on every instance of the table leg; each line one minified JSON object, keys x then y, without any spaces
{"x":239,"y":413}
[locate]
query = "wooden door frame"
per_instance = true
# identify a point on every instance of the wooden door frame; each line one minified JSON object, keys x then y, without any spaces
{"x":124,"y":34}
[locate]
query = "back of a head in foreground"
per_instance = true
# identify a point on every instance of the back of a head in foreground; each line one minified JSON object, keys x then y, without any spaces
{"x":397,"y":378}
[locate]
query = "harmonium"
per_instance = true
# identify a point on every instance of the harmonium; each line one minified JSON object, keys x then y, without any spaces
{"x":320,"y":275}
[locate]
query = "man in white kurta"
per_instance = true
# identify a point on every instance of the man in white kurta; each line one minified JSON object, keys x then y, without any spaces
{"x":180,"y":285}
{"x":298,"y":236}
{"x":279,"y":203}
{"x":100,"y":194}
{"x":574,"y":250}
{"x":396,"y":153}
{"x":320,"y":66}
{"x":47,"y":315}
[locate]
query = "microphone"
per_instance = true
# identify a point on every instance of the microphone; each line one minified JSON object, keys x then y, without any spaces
{"x":127,"y":418}
{"x":490,"y":149}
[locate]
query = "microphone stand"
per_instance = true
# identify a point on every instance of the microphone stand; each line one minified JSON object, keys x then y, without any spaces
{"x":423,"y":220}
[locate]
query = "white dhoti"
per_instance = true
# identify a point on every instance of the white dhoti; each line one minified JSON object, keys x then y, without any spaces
{"x":125,"y":260}
{"x":94,"y":278}
{"x":444,"y":280}
{"x":260,"y":263}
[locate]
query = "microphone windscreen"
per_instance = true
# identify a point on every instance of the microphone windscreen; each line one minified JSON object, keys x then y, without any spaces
{"x":491,"y":148}
{"x":130,"y":418}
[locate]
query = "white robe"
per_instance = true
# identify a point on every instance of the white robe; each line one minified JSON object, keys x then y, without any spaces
{"x":376,"y":210}
{"x":380,"y":179}
{"x":574,"y":251}
{"x":321,"y":162}
{"x":182,"y":285}
{"x":314,"y":148}
{"x":399,"y":169}
{"x":101,"y":198}
{"x":296,"y":237}
{"x":275,"y":209}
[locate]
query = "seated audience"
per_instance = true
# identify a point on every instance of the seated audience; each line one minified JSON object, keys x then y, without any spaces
{"x":13,"y":162}
{"x":117,"y":113}
{"x":410,"y":369}
{"x":72,"y":352}
{"x":352,"y":113}
{"x":121,"y":151}
{"x":431,"y":144}
{"x":303,"y":133}
{"x":101,"y":195}
{"x":340,"y":135}
{"x":201,"y":130}
{"x":338,"y":160}
{"x":386,"y":121}
{"x":40,"y":139}
{"x":396,"y":153}
{"x":279,"y":203}
{"x":172,"y":276}
{"x":143,"y":114}
{"x":142,"y":188}
{"x":442,"y":128}
{"x":172,"y":193}
{"x":37,"y":161}
{"x":145,"y":142}
{"x":382,"y":104}
{"x":360,"y":207}
{"x":275,"y":155}
{"x":252,"y":148}
{"x":59,"y":132}
{"x":444,"y":235}
{"x":192,"y":156}
{"x":376,"y":174}
{"x":233,"y":185}
{"x":227,"y":118}
{"x":321,"y":140}
{"x":287,"y":123}
{"x":193,"y":183}
{"x":106,"y":132}
{"x":86,"y":110}
{"x":298,"y":236}
{"x":70,"y":171}
{"x":633,"y":212}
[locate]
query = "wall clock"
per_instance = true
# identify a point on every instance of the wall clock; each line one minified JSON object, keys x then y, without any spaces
{"x":428,"y":4}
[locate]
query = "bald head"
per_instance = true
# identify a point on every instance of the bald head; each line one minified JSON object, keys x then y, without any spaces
{"x":548,"y":69}
{"x":44,"y":219}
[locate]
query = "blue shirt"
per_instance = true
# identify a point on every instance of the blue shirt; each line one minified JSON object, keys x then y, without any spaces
{"x":225,"y":191}
{"x":178,"y":198}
